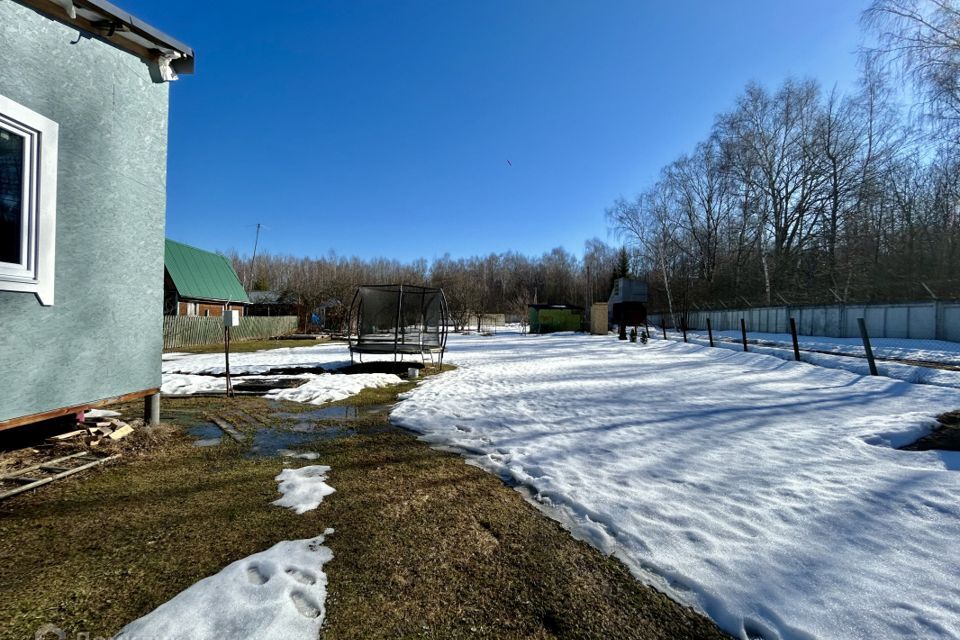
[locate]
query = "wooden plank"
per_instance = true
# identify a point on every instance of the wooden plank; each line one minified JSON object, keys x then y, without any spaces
{"x":228,"y":428}
{"x":56,"y":413}
{"x":67,"y":435}
{"x":40,"y":483}
{"x":122,"y":432}
{"x":15,"y":474}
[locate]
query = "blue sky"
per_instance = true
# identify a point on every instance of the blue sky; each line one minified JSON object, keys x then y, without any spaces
{"x":385,"y":128}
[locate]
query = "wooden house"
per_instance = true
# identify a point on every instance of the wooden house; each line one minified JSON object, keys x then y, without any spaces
{"x":199,"y":283}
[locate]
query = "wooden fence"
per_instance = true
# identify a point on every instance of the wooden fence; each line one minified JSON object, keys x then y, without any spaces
{"x":191,"y":331}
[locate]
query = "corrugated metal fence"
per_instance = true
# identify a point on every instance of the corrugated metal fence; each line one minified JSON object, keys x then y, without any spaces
{"x":915,"y":320}
{"x":191,"y":331}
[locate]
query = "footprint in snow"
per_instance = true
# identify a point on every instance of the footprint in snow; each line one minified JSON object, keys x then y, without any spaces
{"x":305,"y":605}
{"x":256,"y":576}
{"x":301,"y":576}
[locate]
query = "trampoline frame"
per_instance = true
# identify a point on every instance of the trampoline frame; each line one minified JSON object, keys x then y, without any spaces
{"x":397,"y":347}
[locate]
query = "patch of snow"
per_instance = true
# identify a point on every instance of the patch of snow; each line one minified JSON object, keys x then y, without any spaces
{"x":304,"y":488}
{"x":277,"y":594}
{"x":940,"y":351}
{"x":897,"y":371}
{"x":101,"y":413}
{"x":328,"y":356}
{"x":762,"y":491}
{"x":202,"y":373}
{"x":174,"y":355}
{"x":329,"y":387}
{"x":176,"y":384}
{"x":306,"y":455}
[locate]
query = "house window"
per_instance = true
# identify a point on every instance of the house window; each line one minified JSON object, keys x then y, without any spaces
{"x":28,"y":199}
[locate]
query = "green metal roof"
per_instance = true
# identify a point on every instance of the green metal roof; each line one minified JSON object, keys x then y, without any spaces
{"x":200,"y":274}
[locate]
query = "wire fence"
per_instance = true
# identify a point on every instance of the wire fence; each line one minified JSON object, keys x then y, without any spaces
{"x":931,"y":361}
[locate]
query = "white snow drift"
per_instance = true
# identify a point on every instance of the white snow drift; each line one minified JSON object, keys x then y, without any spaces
{"x":318,"y":389}
{"x":762,"y":491}
{"x":328,"y":387}
{"x":277,"y":594}
{"x":328,"y":356}
{"x":304,"y":488}
{"x":189,"y":374}
{"x":781,"y":346}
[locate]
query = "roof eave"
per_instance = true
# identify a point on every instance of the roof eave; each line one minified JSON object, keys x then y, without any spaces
{"x":120,"y":28}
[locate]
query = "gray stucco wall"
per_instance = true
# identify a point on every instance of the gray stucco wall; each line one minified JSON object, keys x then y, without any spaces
{"x":103,"y":337}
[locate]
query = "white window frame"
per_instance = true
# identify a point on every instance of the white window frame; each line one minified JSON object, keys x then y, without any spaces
{"x":35,"y":271}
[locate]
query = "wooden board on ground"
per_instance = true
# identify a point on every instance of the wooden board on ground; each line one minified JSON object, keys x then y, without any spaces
{"x":66,"y":436}
{"x":86,"y":459}
{"x":228,"y":428}
{"x":122,"y":432}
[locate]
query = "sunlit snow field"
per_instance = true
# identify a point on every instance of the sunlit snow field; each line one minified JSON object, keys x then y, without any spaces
{"x":764,"y":492}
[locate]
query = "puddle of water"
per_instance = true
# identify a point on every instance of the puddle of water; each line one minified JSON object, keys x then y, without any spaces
{"x":273,"y":442}
{"x":207,"y":434}
{"x":340,"y":412}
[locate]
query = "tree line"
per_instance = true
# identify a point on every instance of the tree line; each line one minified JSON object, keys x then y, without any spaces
{"x":800,"y":194}
{"x":797,"y":194}
{"x":503,"y":283}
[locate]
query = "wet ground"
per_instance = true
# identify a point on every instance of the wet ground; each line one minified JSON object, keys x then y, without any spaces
{"x":284,"y":431}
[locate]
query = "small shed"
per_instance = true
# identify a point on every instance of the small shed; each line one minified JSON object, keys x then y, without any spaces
{"x":199,"y":283}
{"x":548,"y":318}
{"x":599,"y":319}
{"x":272,"y":303}
{"x":627,"y":305}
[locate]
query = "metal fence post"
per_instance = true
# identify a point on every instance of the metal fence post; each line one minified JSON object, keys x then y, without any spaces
{"x":796,"y":345}
{"x":709,"y":332}
{"x":743,"y":332}
{"x":867,"y":347}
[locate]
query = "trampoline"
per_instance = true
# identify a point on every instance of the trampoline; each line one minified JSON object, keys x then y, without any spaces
{"x":398,"y":319}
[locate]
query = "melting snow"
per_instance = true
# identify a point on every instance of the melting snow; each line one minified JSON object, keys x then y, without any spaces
{"x":328,"y":356}
{"x":762,"y":491}
{"x":303,"y":489}
{"x":329,"y":387}
{"x":917,"y":350}
{"x":318,"y":388}
{"x":277,"y":594}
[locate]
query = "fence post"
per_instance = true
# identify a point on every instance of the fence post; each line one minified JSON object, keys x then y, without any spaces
{"x":743,"y":332}
{"x":683,"y":327}
{"x":664,"y":327}
{"x":709,"y":332}
{"x":796,"y":345}
{"x":867,"y":347}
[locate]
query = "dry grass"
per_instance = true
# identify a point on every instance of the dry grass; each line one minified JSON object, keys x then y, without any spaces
{"x":425,"y":545}
{"x":945,"y":437}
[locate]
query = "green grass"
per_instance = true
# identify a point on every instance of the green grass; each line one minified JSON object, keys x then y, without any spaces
{"x":425,"y":545}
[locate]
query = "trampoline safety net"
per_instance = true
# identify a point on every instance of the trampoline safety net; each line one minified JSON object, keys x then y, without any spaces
{"x":398,"y":319}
